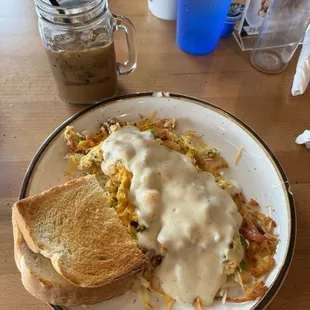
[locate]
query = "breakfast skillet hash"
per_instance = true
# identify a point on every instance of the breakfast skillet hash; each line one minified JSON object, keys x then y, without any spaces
{"x":171,"y":193}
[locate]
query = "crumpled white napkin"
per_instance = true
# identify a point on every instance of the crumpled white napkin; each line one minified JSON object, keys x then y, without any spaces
{"x":302,"y":75}
{"x":304,"y":138}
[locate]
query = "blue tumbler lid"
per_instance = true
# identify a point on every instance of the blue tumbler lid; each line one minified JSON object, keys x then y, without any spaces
{"x":235,"y":9}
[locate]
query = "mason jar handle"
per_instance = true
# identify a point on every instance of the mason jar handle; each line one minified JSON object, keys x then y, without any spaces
{"x":124,"y":24}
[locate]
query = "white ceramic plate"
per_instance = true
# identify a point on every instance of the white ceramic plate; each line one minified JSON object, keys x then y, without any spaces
{"x":258,"y":171}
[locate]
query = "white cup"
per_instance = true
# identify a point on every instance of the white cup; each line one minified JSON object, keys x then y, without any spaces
{"x":164,"y":9}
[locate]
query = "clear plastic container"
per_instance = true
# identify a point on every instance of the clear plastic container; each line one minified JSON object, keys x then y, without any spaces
{"x":282,"y":31}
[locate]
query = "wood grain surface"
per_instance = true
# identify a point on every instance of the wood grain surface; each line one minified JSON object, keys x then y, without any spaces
{"x":30,"y":109}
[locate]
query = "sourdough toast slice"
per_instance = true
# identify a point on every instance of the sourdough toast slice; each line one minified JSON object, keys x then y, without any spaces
{"x":42,"y":281}
{"x":74,"y":226}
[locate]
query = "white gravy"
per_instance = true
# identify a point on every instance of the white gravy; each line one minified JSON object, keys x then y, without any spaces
{"x":184,"y":211}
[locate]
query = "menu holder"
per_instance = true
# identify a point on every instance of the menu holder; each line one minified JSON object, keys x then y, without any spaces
{"x":252,"y":20}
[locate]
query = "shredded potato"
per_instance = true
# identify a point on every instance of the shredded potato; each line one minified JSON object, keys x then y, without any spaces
{"x":257,"y":230}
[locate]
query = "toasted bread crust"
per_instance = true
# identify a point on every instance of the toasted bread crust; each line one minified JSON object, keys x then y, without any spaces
{"x":42,"y":281}
{"x":73,"y":226}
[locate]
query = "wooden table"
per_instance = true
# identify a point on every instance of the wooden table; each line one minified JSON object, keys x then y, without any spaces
{"x":30,"y":110}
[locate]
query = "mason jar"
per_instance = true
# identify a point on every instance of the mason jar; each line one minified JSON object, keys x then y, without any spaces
{"x":78,"y":39}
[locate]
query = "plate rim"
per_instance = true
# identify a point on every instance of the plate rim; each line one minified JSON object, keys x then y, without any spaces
{"x":266,"y":300}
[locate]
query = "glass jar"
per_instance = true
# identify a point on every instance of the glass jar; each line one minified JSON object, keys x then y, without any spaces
{"x":78,"y":38}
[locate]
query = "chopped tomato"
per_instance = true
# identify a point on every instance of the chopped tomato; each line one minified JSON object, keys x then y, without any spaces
{"x":163,"y":134}
{"x":255,"y":236}
{"x":253,"y":203}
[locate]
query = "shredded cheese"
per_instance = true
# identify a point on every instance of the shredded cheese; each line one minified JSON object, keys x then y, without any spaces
{"x":170,"y":303}
{"x":199,"y":303}
{"x":224,"y":296}
{"x":238,"y":155}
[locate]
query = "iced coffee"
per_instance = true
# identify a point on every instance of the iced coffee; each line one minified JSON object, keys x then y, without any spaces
{"x":78,"y":37}
{"x":85,"y":75}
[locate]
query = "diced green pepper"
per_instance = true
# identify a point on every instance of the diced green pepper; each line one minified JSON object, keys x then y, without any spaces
{"x":154,"y":134}
{"x":242,"y":265}
{"x":141,"y":228}
{"x":243,"y":242}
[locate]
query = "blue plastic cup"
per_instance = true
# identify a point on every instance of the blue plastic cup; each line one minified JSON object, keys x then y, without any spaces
{"x":199,"y":24}
{"x":229,"y":26}
{"x":234,"y":15}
